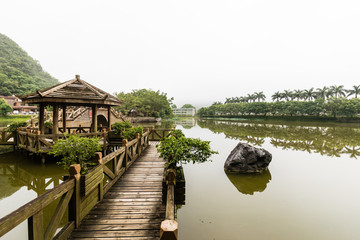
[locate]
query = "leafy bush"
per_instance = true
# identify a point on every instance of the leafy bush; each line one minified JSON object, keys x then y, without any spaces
{"x":48,"y":124}
{"x":131,"y":133}
{"x":176,"y":150}
{"x":126,"y":131}
{"x":177,"y":133}
{"x":119,"y":127}
{"x":76,"y":150}
{"x":14,"y":126}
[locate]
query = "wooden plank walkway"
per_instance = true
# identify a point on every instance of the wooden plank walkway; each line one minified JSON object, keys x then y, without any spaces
{"x":132,"y":209}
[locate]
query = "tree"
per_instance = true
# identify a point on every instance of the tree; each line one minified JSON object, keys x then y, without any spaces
{"x":299,"y":94}
{"x":4,"y":107}
{"x":309,"y":94}
{"x":260,"y":96}
{"x":276,"y":96}
{"x":287,"y":94}
{"x":355,"y":91}
{"x":337,"y":90}
{"x":188,"y":106}
{"x":146,"y":102}
{"x":322,"y":92}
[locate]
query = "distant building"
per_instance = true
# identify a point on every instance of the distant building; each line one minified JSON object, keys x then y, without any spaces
{"x":18,"y":106}
{"x":184,"y":111}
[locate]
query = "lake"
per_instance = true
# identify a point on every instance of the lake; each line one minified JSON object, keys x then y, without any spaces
{"x":311,"y":190}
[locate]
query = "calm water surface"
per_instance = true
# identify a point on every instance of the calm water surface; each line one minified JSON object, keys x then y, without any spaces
{"x":311,"y":191}
{"x":23,"y":179}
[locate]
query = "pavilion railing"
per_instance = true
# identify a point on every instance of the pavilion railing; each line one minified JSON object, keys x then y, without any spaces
{"x":7,"y":138}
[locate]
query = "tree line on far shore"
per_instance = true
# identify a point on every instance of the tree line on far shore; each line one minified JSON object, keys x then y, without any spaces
{"x":327,"y":101}
{"x":300,"y":95}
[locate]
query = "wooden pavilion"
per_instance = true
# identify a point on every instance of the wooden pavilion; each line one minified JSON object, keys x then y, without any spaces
{"x":75,"y":92}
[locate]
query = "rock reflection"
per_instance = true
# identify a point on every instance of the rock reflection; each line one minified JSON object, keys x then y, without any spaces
{"x":250,"y":183}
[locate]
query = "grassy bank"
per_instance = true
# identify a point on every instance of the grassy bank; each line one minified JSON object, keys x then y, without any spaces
{"x":4,"y":121}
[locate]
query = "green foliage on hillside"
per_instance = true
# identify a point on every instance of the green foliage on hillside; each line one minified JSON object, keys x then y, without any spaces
{"x":145,"y":103}
{"x":19,"y":73}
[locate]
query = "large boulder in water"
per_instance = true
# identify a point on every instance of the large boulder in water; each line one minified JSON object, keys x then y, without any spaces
{"x":247,"y":159}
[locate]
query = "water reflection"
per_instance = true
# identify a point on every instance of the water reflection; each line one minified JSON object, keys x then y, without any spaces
{"x":250,"y":183}
{"x":17,"y":171}
{"x":331,"y":141}
{"x":186,"y":123}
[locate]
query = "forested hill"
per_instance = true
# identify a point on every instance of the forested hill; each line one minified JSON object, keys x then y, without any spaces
{"x":19,"y":73}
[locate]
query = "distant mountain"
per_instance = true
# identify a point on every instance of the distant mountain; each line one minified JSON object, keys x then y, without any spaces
{"x":19,"y":73}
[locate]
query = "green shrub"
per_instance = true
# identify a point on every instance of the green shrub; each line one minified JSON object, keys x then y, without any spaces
{"x":119,"y":127}
{"x":126,"y":131}
{"x":14,"y":126}
{"x":131,"y":133}
{"x":177,"y":150}
{"x":76,"y":150}
{"x":48,"y":124}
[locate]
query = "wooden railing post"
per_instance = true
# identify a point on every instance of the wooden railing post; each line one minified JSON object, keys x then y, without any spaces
{"x":169,"y":227}
{"x":37,"y":140}
{"x":126,"y":157}
{"x":98,"y":157}
{"x":153,"y":133}
{"x":27,"y":142}
{"x":74,"y":205}
{"x":36,"y":226}
{"x":139,"y":146}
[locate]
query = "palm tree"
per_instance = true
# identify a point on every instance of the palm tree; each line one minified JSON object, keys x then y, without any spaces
{"x":298,"y":94}
{"x":322,"y":92}
{"x":338,"y":90}
{"x":251,"y":97}
{"x":276,"y":96}
{"x":287,"y":94}
{"x":355,"y":91}
{"x":309,"y":94}
{"x":260,"y":96}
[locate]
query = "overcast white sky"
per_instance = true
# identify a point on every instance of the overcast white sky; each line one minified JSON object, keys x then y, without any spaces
{"x":196,"y":51}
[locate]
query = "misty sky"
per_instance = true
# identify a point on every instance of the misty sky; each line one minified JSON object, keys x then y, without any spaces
{"x":198,"y":52}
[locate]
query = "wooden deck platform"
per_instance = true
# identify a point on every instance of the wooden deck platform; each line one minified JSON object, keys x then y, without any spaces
{"x":132,"y":208}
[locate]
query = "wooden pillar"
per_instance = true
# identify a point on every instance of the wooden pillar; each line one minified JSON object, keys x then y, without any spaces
{"x":109,"y":117}
{"x":41,"y":119}
{"x":74,"y":205}
{"x":64,"y":118}
{"x":94,"y":118}
{"x":55,"y":118}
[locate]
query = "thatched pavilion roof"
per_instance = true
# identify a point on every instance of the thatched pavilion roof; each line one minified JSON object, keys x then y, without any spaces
{"x":72,"y":92}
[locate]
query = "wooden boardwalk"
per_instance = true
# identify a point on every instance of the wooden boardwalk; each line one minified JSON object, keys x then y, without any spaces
{"x":132,"y":208}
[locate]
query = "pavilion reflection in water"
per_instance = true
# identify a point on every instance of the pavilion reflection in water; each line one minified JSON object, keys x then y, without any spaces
{"x":16,"y":172}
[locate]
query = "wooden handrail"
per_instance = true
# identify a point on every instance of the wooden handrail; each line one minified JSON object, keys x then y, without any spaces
{"x":33,"y":210}
{"x":70,"y":194}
